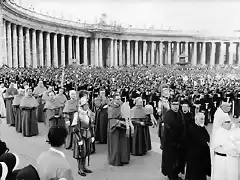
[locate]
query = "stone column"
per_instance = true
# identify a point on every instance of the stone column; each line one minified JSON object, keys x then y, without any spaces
{"x":203,"y":53}
{"x":96,"y":63}
{"x":160,"y":53}
{"x":124,"y":52}
{"x":169,"y":48}
{"x":111,"y":60}
{"x":132,"y":52}
{"x":232,"y":51}
{"x":3,"y":56}
{"x":222,"y":53}
{"x":2,"y":40}
{"x":85,"y":55}
{"x":78,"y":50}
{"x":120,"y":53}
{"x":21,"y":47}
{"x":115,"y":53}
{"x":100,"y":53}
{"x":144,"y":52}
{"x":194,"y":54}
{"x":213,"y":53}
{"x":15,"y":46}
{"x":55,"y":51}
{"x":177,"y":52}
{"x":128,"y":53}
{"x":70,"y":55}
{"x":34,"y":49}
{"x":48,"y":50}
{"x":27,"y":48}
{"x":238,"y":54}
{"x":41,"y":59}
{"x":186,"y":51}
{"x":63,"y":61}
{"x":136,"y":53}
{"x":152,"y":52}
{"x":9,"y":45}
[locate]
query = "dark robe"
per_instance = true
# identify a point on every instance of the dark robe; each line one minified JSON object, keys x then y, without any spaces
{"x":68,"y":111}
{"x":140,"y":141}
{"x":57,"y":120}
{"x":198,"y":153}
{"x":10,"y":92}
{"x":28,"y":107}
{"x":17,"y":112}
{"x":38,"y":93}
{"x":172,"y":142}
{"x":118,"y":142}
{"x":101,"y":120}
{"x":49,"y":109}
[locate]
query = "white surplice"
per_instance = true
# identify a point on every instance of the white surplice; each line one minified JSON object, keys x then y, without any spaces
{"x":224,"y":167}
{"x":2,"y":105}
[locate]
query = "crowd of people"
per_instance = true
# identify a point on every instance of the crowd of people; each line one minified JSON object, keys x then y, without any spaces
{"x":82,"y":106}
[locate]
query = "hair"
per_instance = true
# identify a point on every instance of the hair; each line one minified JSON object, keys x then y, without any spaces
{"x":57,"y":136}
{"x":82,"y":93}
{"x":198,"y":115}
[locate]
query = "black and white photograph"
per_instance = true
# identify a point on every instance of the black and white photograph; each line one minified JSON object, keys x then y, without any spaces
{"x":119,"y":89}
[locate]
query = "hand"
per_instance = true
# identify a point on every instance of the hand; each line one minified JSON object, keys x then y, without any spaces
{"x":105,"y":106}
{"x":67,"y":123}
{"x":127,"y":131}
{"x":93,"y":139}
{"x":142,"y":123}
{"x":80,"y":143}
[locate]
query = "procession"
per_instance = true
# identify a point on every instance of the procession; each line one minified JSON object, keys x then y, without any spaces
{"x":83,"y":107}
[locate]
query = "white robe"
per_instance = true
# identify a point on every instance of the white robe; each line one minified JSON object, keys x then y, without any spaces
{"x":2,"y":105}
{"x":224,"y":168}
{"x":219,"y":118}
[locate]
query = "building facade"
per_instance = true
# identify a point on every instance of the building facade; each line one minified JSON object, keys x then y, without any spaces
{"x":29,"y":38}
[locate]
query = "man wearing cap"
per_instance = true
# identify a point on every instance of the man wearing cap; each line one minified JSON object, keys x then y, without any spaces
{"x":83,"y":136}
{"x":172,"y":141}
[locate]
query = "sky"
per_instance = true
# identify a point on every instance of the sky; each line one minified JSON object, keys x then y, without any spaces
{"x":214,"y":16}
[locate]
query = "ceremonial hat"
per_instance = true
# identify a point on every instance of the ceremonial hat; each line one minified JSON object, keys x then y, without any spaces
{"x":11,"y":160}
{"x":3,"y":170}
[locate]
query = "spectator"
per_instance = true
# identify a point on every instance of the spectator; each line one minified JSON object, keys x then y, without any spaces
{"x":53,"y":164}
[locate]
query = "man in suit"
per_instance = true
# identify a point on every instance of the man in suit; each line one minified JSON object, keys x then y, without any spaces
{"x":52,"y":164}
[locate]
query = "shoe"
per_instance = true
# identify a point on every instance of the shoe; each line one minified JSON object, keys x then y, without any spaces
{"x":81,"y":173}
{"x":86,"y":170}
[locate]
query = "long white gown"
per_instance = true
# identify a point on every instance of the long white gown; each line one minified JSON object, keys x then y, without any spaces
{"x":2,"y":105}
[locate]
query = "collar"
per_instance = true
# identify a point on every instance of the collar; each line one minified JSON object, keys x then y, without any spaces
{"x":57,"y":151}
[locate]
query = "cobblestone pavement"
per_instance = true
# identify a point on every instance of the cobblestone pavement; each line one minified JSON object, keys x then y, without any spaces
{"x":140,"y":168}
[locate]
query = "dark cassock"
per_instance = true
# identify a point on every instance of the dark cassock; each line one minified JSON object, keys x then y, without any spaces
{"x":140,"y":141}
{"x":237,"y":103}
{"x":68,"y":112}
{"x":28,"y":107}
{"x":57,"y":119}
{"x":17,"y":111}
{"x":38,"y":94}
{"x":50,"y":108}
{"x":118,"y":141}
{"x":198,"y":152}
{"x":101,"y":118}
{"x":10,"y":92}
{"x":172,"y":141}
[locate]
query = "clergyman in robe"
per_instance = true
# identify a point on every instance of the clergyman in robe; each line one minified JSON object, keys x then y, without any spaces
{"x":17,"y":111}
{"x":52,"y":104}
{"x":38,"y":93}
{"x":118,"y":141}
{"x":61,"y":98}
{"x":28,"y":107}
{"x":10,"y":92}
{"x":68,"y":111}
{"x":140,"y":141}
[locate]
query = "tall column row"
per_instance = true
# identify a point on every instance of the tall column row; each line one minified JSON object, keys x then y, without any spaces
{"x":24,"y":47}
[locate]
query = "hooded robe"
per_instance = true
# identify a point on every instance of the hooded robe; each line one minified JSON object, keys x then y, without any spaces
{"x":38,"y":93}
{"x":10,"y":92}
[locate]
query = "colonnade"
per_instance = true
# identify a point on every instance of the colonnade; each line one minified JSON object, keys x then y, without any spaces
{"x":24,"y":47}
